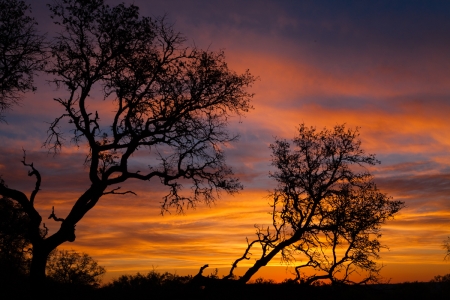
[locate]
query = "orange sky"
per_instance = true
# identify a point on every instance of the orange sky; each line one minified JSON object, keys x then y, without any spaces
{"x":383,"y":68}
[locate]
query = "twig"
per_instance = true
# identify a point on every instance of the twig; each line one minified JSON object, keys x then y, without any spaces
{"x":31,"y":173}
{"x":119,"y":193}
{"x":53,"y":216}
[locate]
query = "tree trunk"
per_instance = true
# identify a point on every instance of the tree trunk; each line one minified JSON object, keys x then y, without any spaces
{"x":263,"y":261}
{"x":66,"y":233}
{"x":38,"y":264}
{"x":38,"y":285}
{"x":259,"y":264}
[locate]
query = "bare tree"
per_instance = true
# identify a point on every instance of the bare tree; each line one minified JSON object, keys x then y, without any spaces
{"x":21,"y":52}
{"x":327,"y":211}
{"x":171,"y":102}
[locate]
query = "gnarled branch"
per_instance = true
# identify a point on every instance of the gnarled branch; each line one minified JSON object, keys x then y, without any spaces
{"x":31,"y":173}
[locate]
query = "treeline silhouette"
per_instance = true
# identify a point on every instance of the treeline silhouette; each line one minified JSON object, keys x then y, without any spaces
{"x":157,"y":285}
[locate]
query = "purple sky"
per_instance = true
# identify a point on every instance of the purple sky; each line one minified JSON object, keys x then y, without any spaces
{"x":383,"y":66}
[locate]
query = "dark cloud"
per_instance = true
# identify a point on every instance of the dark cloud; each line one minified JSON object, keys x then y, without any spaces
{"x":410,"y":167}
{"x":427,"y":200}
{"x":433,"y":185}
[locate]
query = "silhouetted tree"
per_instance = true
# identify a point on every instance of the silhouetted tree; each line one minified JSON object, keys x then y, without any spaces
{"x":21,"y":52}
{"x":441,"y":278}
{"x":170,"y":101}
{"x":70,"y":267}
{"x":327,"y":211}
{"x":146,"y":283}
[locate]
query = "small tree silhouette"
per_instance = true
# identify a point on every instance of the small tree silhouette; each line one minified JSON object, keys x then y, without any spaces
{"x":70,"y":267}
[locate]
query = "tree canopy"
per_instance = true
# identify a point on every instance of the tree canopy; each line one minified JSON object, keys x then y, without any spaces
{"x":22,"y":52}
{"x":71,"y":267}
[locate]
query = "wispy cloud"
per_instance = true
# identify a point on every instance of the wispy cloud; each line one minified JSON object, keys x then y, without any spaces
{"x":382,"y":66}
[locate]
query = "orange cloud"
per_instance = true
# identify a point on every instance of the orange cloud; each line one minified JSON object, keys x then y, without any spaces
{"x":398,"y":94}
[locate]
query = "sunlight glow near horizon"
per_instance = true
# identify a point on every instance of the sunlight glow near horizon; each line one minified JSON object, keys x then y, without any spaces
{"x":322,"y":70}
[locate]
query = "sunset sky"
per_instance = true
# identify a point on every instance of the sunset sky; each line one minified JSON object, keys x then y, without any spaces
{"x":383,"y":66}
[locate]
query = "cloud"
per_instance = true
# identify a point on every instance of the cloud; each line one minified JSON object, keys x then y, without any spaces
{"x":383,"y":67}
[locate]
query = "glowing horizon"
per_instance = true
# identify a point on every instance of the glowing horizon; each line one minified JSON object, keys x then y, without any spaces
{"x":321,"y":65}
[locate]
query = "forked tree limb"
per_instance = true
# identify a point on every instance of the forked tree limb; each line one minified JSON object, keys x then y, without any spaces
{"x":53,"y":216}
{"x":234,"y":265}
{"x":31,"y":173}
{"x":114,"y":192}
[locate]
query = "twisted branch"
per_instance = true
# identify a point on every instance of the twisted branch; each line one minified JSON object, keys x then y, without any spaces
{"x":31,"y":173}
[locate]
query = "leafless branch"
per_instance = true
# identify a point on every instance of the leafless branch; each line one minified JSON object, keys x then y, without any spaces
{"x":244,"y":256}
{"x":55,"y":138}
{"x":200,"y":272}
{"x":114,"y":192}
{"x":53,"y":216}
{"x":31,"y":173}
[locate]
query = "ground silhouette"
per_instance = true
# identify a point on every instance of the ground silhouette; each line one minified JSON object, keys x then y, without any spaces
{"x":155,"y":285}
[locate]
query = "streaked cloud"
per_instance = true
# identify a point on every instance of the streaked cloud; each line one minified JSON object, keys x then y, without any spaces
{"x":381,"y":66}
